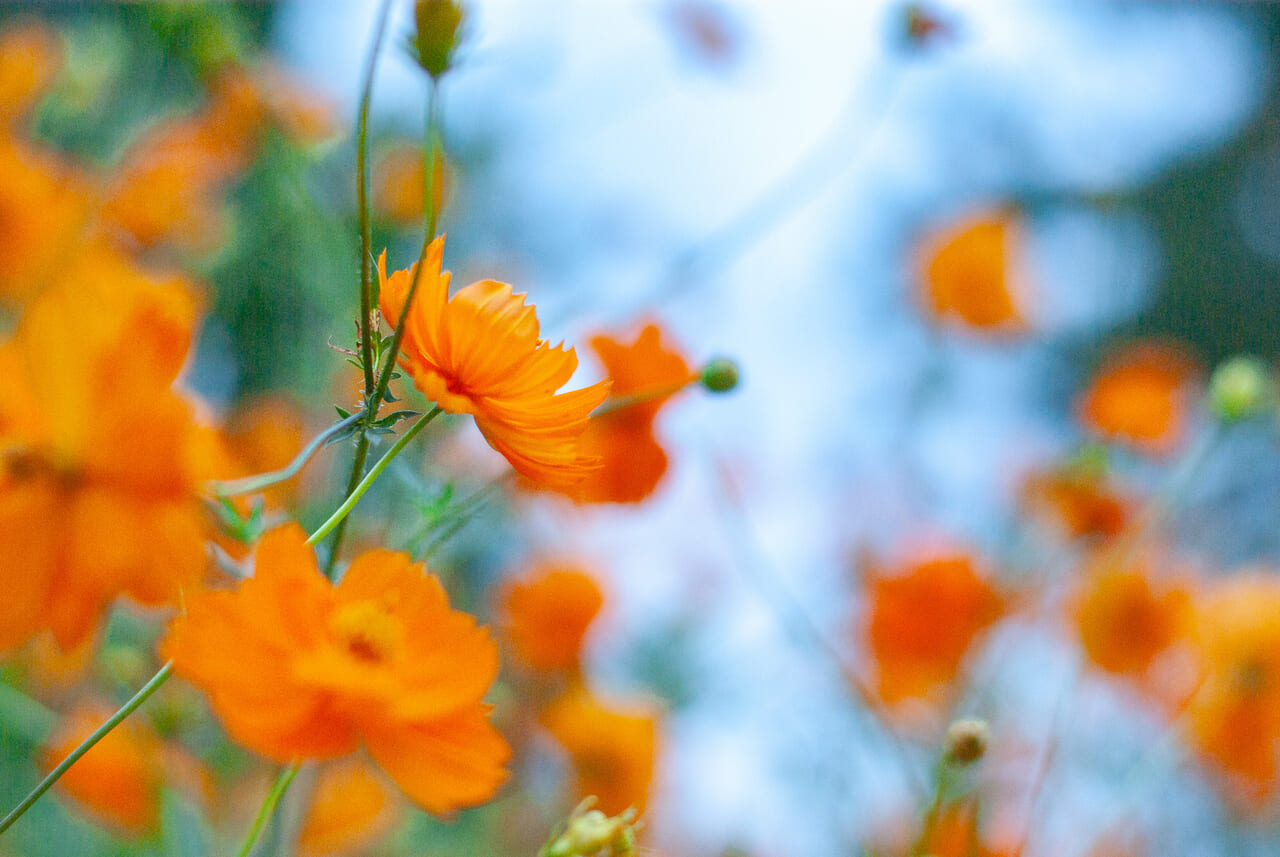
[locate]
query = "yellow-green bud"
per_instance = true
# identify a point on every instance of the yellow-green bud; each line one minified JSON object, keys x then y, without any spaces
{"x":966,"y":742}
{"x":591,"y":832}
{"x":438,"y":23}
{"x":720,"y":375}
{"x":1240,"y":388}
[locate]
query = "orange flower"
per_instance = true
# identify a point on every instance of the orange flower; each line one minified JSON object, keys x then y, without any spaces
{"x":966,"y":273}
{"x":296,"y":667}
{"x":1141,"y":397}
{"x":264,"y":434}
{"x":101,"y":460}
{"x":479,"y":353}
{"x":1079,"y":501}
{"x":612,"y":751}
{"x":352,"y":807}
{"x":118,"y":781}
{"x":923,"y":621}
{"x":546,"y":616}
{"x":399,"y":183}
{"x":43,"y":206}
{"x":1128,"y":620}
{"x":1234,"y":717}
{"x":30,"y":55}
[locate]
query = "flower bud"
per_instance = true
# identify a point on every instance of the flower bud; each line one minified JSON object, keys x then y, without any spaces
{"x":966,"y":742}
{"x":1240,"y":388}
{"x":720,"y":375}
{"x":590,"y":832}
{"x":438,"y":23}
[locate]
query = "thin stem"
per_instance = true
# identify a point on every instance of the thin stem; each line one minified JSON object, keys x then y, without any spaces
{"x":367,"y":482}
{"x":87,"y":744}
{"x":618,"y":403}
{"x":268,"y":807}
{"x":931,"y":815}
{"x":362,"y":195}
{"x":353,"y":480}
{"x":251,"y":484}
{"x":470,"y":508}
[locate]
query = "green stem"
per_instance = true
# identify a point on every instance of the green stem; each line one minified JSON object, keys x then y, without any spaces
{"x":618,"y":403}
{"x":268,"y":807}
{"x":357,"y":472}
{"x":251,"y":484}
{"x":87,"y":744}
{"x":367,"y":482}
{"x":362,"y":195}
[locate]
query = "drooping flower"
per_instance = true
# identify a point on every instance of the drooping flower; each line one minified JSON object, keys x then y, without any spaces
{"x":101,"y":459}
{"x":118,"y":781}
{"x":352,"y":806}
{"x":546,"y":616}
{"x":1141,"y":397}
{"x":298,"y":668}
{"x":479,"y":353}
{"x":611,"y":751}
{"x":968,"y":273}
{"x":924,"y":618}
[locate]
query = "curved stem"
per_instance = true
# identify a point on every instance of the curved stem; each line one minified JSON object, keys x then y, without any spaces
{"x":367,"y":482}
{"x":268,"y":807}
{"x":618,"y":403}
{"x":357,"y":471}
{"x":257,"y":482}
{"x":87,"y":744}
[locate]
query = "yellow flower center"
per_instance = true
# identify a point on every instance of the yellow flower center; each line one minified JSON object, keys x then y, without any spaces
{"x":366,"y":630}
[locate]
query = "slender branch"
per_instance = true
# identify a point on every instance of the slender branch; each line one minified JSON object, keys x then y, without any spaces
{"x":87,"y":744}
{"x":353,"y":480}
{"x":618,"y":403}
{"x":268,"y":807}
{"x":252,"y":484}
{"x":362,"y":195}
{"x":367,"y":482}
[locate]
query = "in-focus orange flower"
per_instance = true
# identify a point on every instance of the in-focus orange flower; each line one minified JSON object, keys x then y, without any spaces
{"x":1141,"y":397}
{"x":479,"y":353}
{"x":101,"y":459}
{"x":1234,"y":717}
{"x":298,"y":668}
{"x":924,"y":618}
{"x":968,"y":274}
{"x":546,"y":616}
{"x":30,"y":55}
{"x":1128,"y":618}
{"x":118,"y":781}
{"x":645,"y":374}
{"x":611,"y":751}
{"x":352,"y":806}
{"x":1079,"y":501}
{"x":43,"y":208}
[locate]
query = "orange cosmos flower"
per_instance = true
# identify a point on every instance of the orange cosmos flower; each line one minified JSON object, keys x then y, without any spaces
{"x":1234,"y":717}
{"x":101,"y":460}
{"x":967,"y":274}
{"x":546,"y":616}
{"x":30,"y":55}
{"x":352,"y":806}
{"x":1079,"y":501}
{"x":611,"y":751}
{"x":479,"y":353}
{"x":399,"y":183}
{"x":296,"y":667}
{"x":265,"y":434}
{"x":43,"y":207}
{"x":924,"y":618}
{"x":1141,"y":397}
{"x":118,"y":781}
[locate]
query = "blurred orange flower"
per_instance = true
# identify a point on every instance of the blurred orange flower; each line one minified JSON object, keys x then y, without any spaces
{"x":924,"y":617}
{"x":118,"y":781}
{"x":1234,"y":717}
{"x":612,"y":751}
{"x":967,"y":273}
{"x":43,"y":206}
{"x":546,"y":616}
{"x":1141,"y":397}
{"x":1079,"y":501}
{"x":479,"y":353}
{"x":103,"y":460}
{"x":957,"y":834}
{"x":264,"y":434}
{"x":30,"y":56}
{"x":351,"y":807}
{"x":399,"y":183}
{"x":299,"y":668}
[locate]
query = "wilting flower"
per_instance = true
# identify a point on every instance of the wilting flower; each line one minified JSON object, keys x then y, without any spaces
{"x":350,"y":807}
{"x":101,"y":459}
{"x":611,"y":751}
{"x":1141,"y":397}
{"x":479,"y":353}
{"x":924,"y":618}
{"x":968,"y":274}
{"x":546,"y":616}
{"x":118,"y":780}
{"x":298,"y":668}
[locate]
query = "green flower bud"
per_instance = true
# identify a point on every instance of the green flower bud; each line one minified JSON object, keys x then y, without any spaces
{"x":437,"y":36}
{"x":720,"y":375}
{"x":1241,"y":388}
{"x":966,"y":742}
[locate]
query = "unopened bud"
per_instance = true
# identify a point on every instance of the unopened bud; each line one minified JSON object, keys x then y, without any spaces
{"x":438,"y":23}
{"x":966,"y":742}
{"x":590,"y":832}
{"x":720,"y":375}
{"x":1240,"y":388}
